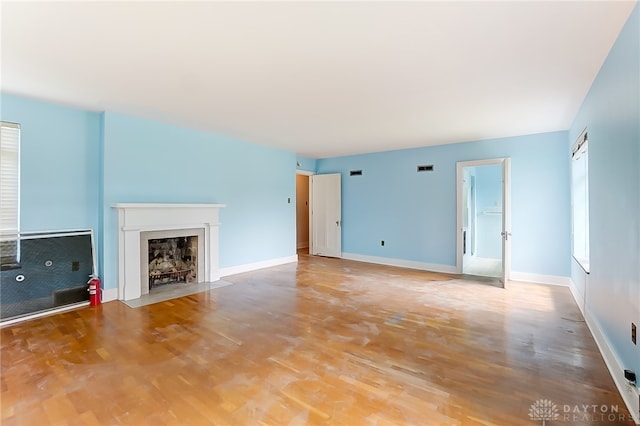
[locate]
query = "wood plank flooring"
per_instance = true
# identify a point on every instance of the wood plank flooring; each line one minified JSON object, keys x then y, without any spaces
{"x":326,"y":341}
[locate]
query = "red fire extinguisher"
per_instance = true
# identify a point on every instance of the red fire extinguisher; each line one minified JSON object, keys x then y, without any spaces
{"x":95,"y":292}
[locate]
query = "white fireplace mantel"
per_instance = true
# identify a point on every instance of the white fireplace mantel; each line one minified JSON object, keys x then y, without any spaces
{"x":134,"y":218}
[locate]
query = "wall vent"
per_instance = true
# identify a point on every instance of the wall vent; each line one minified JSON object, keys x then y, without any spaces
{"x":425,"y":168}
{"x":355,"y":173}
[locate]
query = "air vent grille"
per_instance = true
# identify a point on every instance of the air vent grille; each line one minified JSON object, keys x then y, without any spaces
{"x":355,"y":173}
{"x":425,"y":168}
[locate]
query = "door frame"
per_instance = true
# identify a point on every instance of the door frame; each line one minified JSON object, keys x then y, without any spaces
{"x":305,"y":173}
{"x":505,"y":162}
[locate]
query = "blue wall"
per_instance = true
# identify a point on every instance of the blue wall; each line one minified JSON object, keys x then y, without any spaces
{"x":147,"y":161}
{"x":611,"y":113}
{"x":415,"y":213}
{"x":59,"y":164}
{"x":75,"y":164}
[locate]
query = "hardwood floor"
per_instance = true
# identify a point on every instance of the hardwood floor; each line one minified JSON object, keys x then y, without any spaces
{"x":325,"y":341}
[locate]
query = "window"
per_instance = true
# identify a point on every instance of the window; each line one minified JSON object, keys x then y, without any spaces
{"x":580,"y":200}
{"x":9,"y":191}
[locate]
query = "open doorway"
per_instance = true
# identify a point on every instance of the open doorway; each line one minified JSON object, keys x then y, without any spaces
{"x":319,"y":214}
{"x":302,"y":212}
{"x":484,"y":218}
{"x":482,"y":221}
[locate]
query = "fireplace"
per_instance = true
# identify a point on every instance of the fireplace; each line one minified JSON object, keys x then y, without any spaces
{"x":171,"y":257}
{"x":172,"y":260}
{"x":182,"y":237}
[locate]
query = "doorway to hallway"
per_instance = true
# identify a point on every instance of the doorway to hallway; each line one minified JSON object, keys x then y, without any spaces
{"x":302,"y":211}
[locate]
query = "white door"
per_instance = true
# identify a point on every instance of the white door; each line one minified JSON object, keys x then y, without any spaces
{"x":326,"y":215}
{"x":506,"y":221}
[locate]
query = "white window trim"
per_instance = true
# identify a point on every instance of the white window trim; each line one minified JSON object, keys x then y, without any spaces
{"x":580,"y":151}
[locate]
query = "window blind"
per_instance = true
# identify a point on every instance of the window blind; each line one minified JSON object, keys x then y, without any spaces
{"x":9,"y":180}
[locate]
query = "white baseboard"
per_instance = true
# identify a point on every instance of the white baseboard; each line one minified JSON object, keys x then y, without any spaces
{"x":248,"y":267}
{"x":303,"y":245}
{"x":579,"y":298}
{"x":630,"y":394}
{"x":411,"y":264}
{"x":540,"y":279}
{"x":109,"y":295}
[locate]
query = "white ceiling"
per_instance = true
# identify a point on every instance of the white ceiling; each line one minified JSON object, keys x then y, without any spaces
{"x":317,"y":78}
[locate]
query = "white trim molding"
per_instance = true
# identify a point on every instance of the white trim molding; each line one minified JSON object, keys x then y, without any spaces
{"x":109,"y":295}
{"x":248,"y":267}
{"x":402,"y":263}
{"x":579,"y":298}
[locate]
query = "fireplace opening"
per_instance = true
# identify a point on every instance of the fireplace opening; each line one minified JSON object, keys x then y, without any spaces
{"x":172,"y":260}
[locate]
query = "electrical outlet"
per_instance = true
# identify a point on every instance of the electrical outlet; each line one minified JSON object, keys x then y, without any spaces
{"x":633,"y":334}
{"x":382,"y":243}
